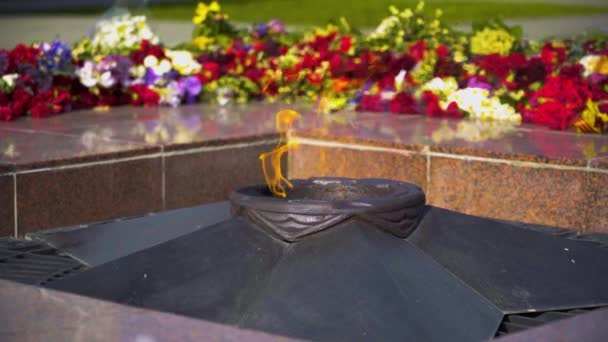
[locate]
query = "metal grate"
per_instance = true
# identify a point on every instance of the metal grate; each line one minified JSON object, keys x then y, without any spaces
{"x":33,"y":262}
{"x":518,"y":322}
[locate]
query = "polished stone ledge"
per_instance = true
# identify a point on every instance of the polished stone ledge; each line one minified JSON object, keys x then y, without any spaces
{"x":89,"y":166}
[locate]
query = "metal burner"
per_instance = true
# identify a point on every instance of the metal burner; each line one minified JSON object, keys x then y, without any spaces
{"x":320,"y":265}
{"x":317,"y":204}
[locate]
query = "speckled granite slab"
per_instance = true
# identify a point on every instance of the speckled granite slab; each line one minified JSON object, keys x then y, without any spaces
{"x":90,"y":166}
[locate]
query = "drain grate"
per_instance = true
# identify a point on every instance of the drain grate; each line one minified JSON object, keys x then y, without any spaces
{"x":518,"y":322}
{"x":33,"y":262}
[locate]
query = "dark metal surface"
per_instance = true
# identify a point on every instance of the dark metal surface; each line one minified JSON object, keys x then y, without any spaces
{"x":211,"y":273}
{"x":316,"y":204}
{"x":356,"y":283}
{"x":519,"y":322}
{"x":99,"y":243}
{"x":34,"y":263}
{"x":349,"y":283}
{"x":588,"y":327}
{"x":518,"y":269}
{"x":316,"y":273}
{"x":32,"y":314}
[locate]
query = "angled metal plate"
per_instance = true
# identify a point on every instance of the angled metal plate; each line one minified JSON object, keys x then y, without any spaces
{"x":99,"y":243}
{"x":518,"y":269}
{"x":211,"y":273}
{"x":356,"y":282}
{"x":589,"y":327}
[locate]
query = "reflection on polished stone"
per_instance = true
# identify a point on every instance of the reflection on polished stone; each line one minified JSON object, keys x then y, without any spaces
{"x":473,"y":131}
{"x":91,"y":132}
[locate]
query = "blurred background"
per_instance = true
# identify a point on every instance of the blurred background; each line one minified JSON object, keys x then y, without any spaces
{"x":30,"y":20}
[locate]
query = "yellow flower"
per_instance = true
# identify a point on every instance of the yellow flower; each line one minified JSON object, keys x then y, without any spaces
{"x":202,"y":42}
{"x":591,"y":115}
{"x":202,"y":10}
{"x":488,"y":41}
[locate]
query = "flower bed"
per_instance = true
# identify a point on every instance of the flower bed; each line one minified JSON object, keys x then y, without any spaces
{"x":410,"y":64}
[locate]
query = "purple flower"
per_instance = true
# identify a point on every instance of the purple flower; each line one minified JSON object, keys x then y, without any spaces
{"x":476,"y":83}
{"x":596,"y":78}
{"x":150,"y":77}
{"x":260,"y":30}
{"x":42,"y":80}
{"x":276,"y":26}
{"x":3,"y":61}
{"x":56,"y":57}
{"x":191,"y":88}
{"x":119,"y":66}
{"x":271,"y":48}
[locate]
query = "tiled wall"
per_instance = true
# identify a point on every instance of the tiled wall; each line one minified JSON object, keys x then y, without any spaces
{"x":72,"y":194}
{"x":567,"y":196}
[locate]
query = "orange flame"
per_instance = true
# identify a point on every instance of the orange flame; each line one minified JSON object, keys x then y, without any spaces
{"x":271,"y":161}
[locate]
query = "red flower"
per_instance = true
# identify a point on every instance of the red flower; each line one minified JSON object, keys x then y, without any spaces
{"x":552,"y":56}
{"x":433,"y":109}
{"x":335,"y":64}
{"x":402,"y":103}
{"x":51,"y":101}
{"x":321,"y":43}
{"x":371,"y":103}
{"x":315,"y":79}
{"x":146,"y":49}
{"x":571,"y":92}
{"x":417,"y":50}
{"x":141,"y":95}
{"x":211,"y":72}
{"x":495,"y":64}
{"x":345,"y":44}
{"x":270,"y":89}
{"x":6,"y":113}
{"x":554,"y":115}
{"x":254,"y":74}
{"x":21,"y":99}
{"x":22,"y":54}
{"x":533,"y":71}
{"x":516,"y":60}
{"x":404,"y":62}
{"x":4,"y":99}
{"x":442,"y":51}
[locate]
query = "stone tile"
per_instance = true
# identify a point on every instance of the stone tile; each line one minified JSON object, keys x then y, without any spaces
{"x":22,"y":150}
{"x":63,"y":197}
{"x":484,"y":139}
{"x":547,"y":196}
{"x":597,"y":202}
{"x":448,"y":184}
{"x":32,"y":314}
{"x":171,"y":127}
{"x":210,"y":176}
{"x":317,"y":161}
{"x":7,"y":206}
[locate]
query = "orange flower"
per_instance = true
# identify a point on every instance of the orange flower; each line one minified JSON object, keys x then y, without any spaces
{"x":340,"y":84}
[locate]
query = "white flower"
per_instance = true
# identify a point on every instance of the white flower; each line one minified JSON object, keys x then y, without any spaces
{"x":480,"y":105}
{"x":9,"y":80}
{"x":86,"y":74}
{"x":106,"y":80}
{"x":121,"y":32}
{"x":440,"y":86}
{"x":399,"y":80}
{"x":183,"y":62}
{"x":590,"y":63}
{"x":159,"y":67}
{"x":386,"y":25}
